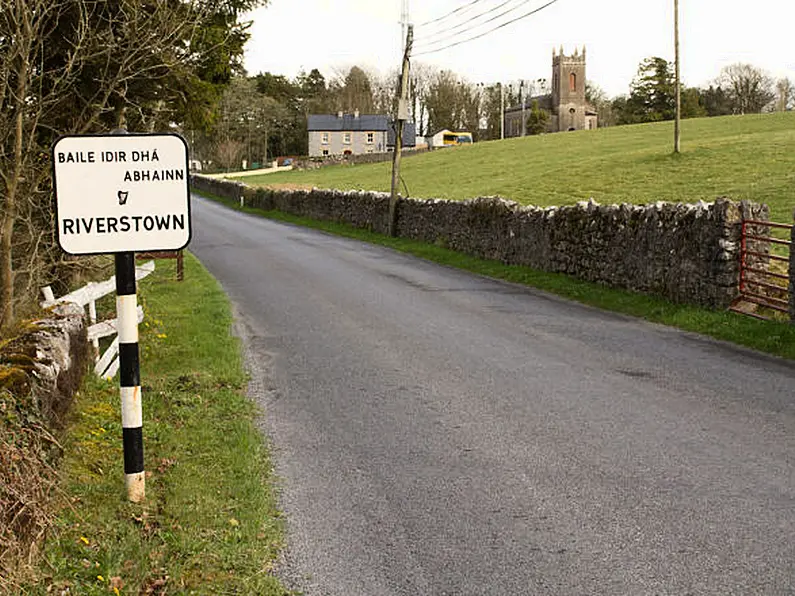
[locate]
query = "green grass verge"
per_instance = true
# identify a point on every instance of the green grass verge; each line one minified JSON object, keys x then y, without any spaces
{"x":210,"y":523}
{"x":772,"y":337}
{"x":743,"y":157}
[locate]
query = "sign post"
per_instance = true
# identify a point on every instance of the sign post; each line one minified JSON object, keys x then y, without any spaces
{"x":121,"y":194}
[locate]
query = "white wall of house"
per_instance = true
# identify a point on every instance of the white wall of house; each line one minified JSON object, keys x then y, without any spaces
{"x":336,"y":142}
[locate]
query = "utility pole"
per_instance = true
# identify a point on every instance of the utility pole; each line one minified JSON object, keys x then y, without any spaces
{"x":678,"y":117}
{"x":403,"y":115}
{"x":502,"y":111}
{"x":521,"y":99}
{"x":404,"y":24}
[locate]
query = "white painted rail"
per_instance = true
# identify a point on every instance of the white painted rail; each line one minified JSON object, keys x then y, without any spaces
{"x":107,"y":365}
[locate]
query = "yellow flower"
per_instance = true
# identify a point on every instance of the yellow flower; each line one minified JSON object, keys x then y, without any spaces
{"x":84,"y":540}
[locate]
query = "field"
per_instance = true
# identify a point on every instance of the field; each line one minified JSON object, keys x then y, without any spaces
{"x":740,"y":157}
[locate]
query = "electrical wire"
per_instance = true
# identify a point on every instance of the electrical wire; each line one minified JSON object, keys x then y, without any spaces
{"x":457,"y":10}
{"x":519,"y":18}
{"x":426,"y":40}
{"x":492,"y":19}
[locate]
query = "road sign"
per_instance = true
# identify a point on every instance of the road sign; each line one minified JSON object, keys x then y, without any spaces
{"x":121,"y":193}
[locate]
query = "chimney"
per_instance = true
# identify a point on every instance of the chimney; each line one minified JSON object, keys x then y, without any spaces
{"x":339,"y":115}
{"x":356,"y":114}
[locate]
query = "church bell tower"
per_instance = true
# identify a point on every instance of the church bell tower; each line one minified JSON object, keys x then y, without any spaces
{"x":568,"y":90}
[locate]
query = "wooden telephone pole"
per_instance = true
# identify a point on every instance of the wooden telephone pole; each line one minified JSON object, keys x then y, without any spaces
{"x":678,"y":117}
{"x":403,"y":115}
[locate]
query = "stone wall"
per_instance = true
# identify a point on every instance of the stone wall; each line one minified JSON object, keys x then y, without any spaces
{"x":54,"y":356}
{"x":40,"y":371}
{"x":315,"y":163}
{"x":688,"y":253}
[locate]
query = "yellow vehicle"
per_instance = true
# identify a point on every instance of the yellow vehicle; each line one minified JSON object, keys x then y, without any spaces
{"x":453,"y":139}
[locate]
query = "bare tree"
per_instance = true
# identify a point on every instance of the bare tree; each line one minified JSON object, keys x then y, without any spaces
{"x":422,"y":76}
{"x":385,"y":91}
{"x":750,"y":88}
{"x":79,"y":66}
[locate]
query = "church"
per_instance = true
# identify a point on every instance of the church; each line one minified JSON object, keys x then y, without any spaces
{"x":566,"y":105}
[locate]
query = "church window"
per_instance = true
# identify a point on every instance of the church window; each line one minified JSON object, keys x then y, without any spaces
{"x":572,"y":111}
{"x":573,"y":82}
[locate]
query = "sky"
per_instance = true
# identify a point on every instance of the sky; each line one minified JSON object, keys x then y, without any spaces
{"x":288,"y":36}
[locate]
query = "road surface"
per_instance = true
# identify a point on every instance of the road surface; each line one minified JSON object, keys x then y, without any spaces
{"x":439,"y":433}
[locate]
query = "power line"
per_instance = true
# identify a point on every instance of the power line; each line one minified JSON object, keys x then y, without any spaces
{"x":476,"y":17}
{"x":519,"y":18}
{"x":461,"y":24}
{"x":459,"y":9}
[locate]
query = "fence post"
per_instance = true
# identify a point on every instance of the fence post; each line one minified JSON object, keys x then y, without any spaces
{"x":792,"y":275}
{"x":130,"y":377}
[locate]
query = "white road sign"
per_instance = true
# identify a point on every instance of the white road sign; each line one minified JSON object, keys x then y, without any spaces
{"x":121,"y":193}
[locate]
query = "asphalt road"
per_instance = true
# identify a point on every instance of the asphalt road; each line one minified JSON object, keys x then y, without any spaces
{"x":438,"y":433}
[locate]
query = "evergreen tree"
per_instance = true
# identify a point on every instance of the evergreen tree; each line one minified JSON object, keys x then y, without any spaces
{"x":537,"y":120}
{"x":653,"y":92}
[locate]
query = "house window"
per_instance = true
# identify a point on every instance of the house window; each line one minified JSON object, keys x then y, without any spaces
{"x":370,"y":138}
{"x":325,"y":152}
{"x":324,"y":138}
{"x":573,"y":82}
{"x":346,"y":138}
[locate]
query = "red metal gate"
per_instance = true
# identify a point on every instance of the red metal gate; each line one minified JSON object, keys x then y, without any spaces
{"x":764,"y":281}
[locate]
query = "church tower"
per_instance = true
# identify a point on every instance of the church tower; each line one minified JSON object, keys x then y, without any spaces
{"x":568,"y":91}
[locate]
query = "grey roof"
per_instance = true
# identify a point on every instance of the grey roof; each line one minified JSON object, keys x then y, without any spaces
{"x":409,"y":135}
{"x":348,"y":122}
{"x":544,"y":102}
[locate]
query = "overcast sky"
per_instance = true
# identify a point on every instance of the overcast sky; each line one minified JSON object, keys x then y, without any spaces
{"x":333,"y":35}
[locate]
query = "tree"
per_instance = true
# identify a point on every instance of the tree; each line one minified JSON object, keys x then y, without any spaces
{"x":537,"y":120}
{"x":385,"y":92}
{"x":785,"y":95}
{"x":247,"y":117}
{"x":355,"y":92}
{"x":422,"y":76}
{"x":492,"y":112}
{"x":444,"y":109}
{"x":653,"y":92}
{"x":716,"y":101}
{"x":693,"y":103}
{"x":453,"y":104}
{"x":603,"y":105}
{"x":80,"y":66}
{"x":750,"y":89}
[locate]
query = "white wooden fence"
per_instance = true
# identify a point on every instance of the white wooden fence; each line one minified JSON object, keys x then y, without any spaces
{"x":107,"y":365}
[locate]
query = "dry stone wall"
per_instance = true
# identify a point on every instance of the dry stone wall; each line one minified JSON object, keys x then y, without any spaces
{"x":688,"y":253}
{"x":315,"y":163}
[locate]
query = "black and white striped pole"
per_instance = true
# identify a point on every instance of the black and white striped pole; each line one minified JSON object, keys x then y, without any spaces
{"x":130,"y":377}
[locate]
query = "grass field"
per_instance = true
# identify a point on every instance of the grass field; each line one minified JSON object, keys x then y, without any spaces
{"x":209,"y":524}
{"x":741,"y":157}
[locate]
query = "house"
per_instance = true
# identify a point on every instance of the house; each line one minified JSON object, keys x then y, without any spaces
{"x":354,"y":134}
{"x":566,"y":105}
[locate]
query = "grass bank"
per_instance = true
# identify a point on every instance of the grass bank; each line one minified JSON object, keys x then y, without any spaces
{"x":743,"y":157}
{"x":210,"y":523}
{"x":771,"y":337}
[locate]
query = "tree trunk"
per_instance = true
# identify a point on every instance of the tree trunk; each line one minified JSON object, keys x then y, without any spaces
{"x":12,"y":183}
